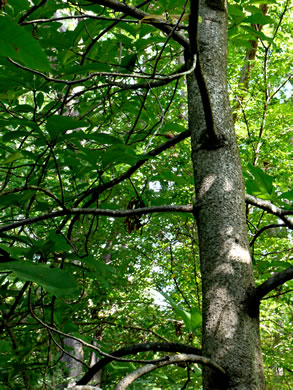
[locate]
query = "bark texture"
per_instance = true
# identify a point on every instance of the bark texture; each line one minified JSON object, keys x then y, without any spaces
{"x":230,"y":334}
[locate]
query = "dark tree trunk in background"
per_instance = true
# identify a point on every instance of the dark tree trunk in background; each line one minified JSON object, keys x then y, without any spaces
{"x":230,"y":334}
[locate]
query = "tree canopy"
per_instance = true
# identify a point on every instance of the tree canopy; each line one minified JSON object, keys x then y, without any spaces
{"x":99,"y":241}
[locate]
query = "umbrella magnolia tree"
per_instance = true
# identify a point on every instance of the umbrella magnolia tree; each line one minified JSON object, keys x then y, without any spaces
{"x":145,"y":243}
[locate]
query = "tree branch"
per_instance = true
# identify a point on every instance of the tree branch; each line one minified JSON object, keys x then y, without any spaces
{"x":270,"y":284}
{"x":88,"y":16}
{"x":263,"y":229}
{"x":98,"y":212}
{"x":29,"y":188}
{"x":138,"y":14}
{"x":153,"y":153}
{"x":130,"y":378}
{"x":159,"y":78}
{"x":134,"y":349}
{"x":255,"y":295}
{"x":271,"y":208}
{"x":265,"y":205}
{"x":85,"y":344}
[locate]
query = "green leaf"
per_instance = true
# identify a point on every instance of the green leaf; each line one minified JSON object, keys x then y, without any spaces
{"x":19,"y":6}
{"x":40,"y":99}
{"x":241,"y":42}
{"x":58,"y":282}
{"x":259,"y":183}
{"x":192,"y":319}
{"x":263,"y":1}
{"x":128,"y":63}
{"x":97,"y":265}
{"x":88,"y":68}
{"x":235,"y":10}
{"x":11,"y":200}
{"x":13,"y":157}
{"x":287,"y":195}
{"x":17,"y":43}
{"x":57,"y":242}
{"x":258,"y":18}
{"x":173,"y":127}
{"x":5,"y":346}
{"x":101,"y":138}
{"x":255,"y":33}
{"x":58,"y":124}
{"x":121,"y":154}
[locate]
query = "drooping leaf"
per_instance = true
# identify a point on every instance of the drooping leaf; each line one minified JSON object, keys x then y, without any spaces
{"x":255,"y":33}
{"x":192,"y":319}
{"x":235,"y":10}
{"x":170,"y":176}
{"x":17,"y":43}
{"x":58,"y":282}
{"x":99,"y":266}
{"x":5,"y":346}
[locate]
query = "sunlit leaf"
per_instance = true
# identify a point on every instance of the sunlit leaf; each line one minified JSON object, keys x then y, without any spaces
{"x":192,"y":319}
{"x":12,"y":157}
{"x":259,"y":183}
{"x":54,"y":280}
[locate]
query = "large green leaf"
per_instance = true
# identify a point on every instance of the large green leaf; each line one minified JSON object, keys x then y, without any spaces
{"x":17,"y":43}
{"x":12,"y":157}
{"x":58,"y":282}
{"x":259,"y":183}
{"x":121,"y":154}
{"x":58,"y":124}
{"x":235,"y":10}
{"x":259,"y":18}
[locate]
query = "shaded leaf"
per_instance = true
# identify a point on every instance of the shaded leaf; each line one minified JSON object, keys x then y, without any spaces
{"x":287,"y":195}
{"x":58,"y":124}
{"x":17,"y":43}
{"x":259,"y":18}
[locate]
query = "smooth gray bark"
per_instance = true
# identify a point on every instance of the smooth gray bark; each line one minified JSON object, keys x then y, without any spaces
{"x":230,"y":334}
{"x":73,"y":366}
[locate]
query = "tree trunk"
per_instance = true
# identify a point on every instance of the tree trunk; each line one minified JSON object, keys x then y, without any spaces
{"x":230,"y":333}
{"x":73,"y":366}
